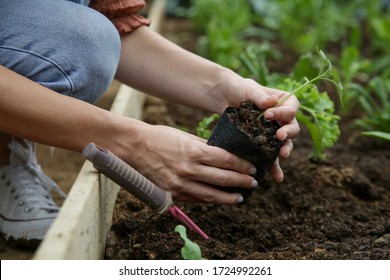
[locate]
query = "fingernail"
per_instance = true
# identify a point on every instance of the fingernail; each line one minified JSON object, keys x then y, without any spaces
{"x":284,"y":137}
{"x":269,"y":115}
{"x":240,"y":199}
{"x":254,"y":184}
{"x":252,"y":170}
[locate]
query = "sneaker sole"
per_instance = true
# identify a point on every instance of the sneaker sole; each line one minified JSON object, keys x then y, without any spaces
{"x":25,"y":230}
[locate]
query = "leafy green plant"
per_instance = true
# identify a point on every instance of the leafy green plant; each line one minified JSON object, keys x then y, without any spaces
{"x":254,"y":63}
{"x":317,"y":110}
{"x":316,"y":113}
{"x":353,"y":71}
{"x":380,"y":25}
{"x":236,"y":13}
{"x":299,"y":25}
{"x":220,"y":44}
{"x":377,"y":108}
{"x":190,"y":250}
{"x":203,"y":128}
{"x":227,"y":28}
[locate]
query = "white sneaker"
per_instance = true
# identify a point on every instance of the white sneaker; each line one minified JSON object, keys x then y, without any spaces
{"x":26,"y":207}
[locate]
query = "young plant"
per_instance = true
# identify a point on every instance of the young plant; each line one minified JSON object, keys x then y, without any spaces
{"x":325,"y":73}
{"x":317,"y":115}
{"x":377,"y":119}
{"x":190,"y":250}
{"x":316,"y":110}
{"x":299,"y":25}
{"x":353,"y":71}
{"x":254,"y":63}
{"x":222,"y":22}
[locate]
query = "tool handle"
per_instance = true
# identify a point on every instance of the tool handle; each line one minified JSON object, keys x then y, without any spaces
{"x":128,"y":178}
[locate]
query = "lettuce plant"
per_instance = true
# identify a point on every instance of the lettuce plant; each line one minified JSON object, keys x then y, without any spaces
{"x":316,"y":113}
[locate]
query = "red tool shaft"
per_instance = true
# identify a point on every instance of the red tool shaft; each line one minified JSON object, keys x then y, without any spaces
{"x":185,"y":220}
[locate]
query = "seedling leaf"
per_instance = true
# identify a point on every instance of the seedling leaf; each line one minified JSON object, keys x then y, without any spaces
{"x":190,"y":250}
{"x":377,"y":134}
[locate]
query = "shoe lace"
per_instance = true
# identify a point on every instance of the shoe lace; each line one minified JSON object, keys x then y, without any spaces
{"x":33,"y":186}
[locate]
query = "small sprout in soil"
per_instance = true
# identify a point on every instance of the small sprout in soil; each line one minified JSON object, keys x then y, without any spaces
{"x":190,"y":250}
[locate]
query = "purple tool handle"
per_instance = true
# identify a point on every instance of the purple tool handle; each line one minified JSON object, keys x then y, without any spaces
{"x":128,"y":178}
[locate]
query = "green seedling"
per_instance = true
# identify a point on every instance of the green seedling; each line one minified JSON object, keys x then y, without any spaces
{"x":317,"y":114}
{"x":325,"y":74}
{"x":316,"y":110}
{"x":190,"y":250}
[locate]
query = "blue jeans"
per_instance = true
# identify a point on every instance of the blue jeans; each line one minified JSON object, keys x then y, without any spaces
{"x":62,"y":45}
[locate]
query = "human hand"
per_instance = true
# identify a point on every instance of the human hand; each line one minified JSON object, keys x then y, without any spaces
{"x":186,"y":166}
{"x":231,"y":93}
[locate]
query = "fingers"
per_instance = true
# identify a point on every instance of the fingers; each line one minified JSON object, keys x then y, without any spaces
{"x":201,"y":193}
{"x":283,"y":113}
{"x":276,"y":171}
{"x":218,"y":167}
{"x":286,"y":115}
{"x":288,"y":131}
{"x":218,"y":157}
{"x":226,"y":178}
{"x":266,"y":101}
{"x":286,"y":149}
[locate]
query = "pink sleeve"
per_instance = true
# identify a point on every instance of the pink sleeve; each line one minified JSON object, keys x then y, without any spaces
{"x":123,"y":13}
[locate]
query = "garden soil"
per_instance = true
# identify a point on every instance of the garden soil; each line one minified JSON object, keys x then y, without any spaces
{"x":335,"y":209}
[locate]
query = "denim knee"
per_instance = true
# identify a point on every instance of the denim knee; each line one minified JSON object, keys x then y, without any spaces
{"x":62,"y":45}
{"x":96,"y":56}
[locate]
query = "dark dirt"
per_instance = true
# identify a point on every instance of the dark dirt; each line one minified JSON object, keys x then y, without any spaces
{"x":246,"y":133}
{"x":261,"y":132}
{"x":334,"y":209}
{"x":249,"y":120}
